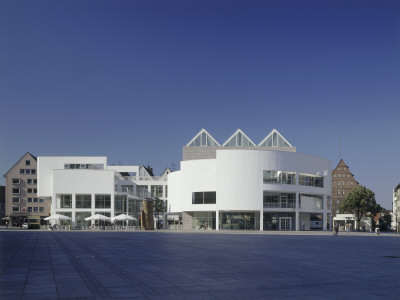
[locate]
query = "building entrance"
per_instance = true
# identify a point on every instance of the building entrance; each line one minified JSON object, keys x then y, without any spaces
{"x":285,"y":223}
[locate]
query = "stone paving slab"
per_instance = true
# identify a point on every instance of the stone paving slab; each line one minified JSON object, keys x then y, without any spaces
{"x":198,"y":265}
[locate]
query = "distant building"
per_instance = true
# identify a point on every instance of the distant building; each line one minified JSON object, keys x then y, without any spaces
{"x":342,"y":183}
{"x":396,"y":207}
{"x":21,"y":198}
{"x":2,"y":201}
{"x":243,"y":186}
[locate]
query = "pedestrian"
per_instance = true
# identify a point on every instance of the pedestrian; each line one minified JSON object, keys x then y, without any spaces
{"x":6,"y":224}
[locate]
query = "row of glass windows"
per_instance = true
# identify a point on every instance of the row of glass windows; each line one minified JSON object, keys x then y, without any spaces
{"x":27,"y":171}
{"x":343,"y":175}
{"x":204,"y":197}
{"x":84,"y":201}
{"x":281,"y":177}
{"x":28,"y":181}
{"x":18,"y":200}
{"x":30,"y":209}
{"x":29,"y":191}
{"x":343,"y":183}
{"x":281,"y":200}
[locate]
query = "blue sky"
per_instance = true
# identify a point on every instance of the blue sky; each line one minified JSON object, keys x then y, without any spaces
{"x":136,"y":80}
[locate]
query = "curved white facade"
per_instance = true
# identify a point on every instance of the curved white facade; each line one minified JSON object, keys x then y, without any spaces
{"x":237,"y":176}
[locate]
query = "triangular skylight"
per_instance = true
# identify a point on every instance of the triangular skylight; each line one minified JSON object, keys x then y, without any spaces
{"x":203,"y":138}
{"x":274,"y":139}
{"x":238,"y":139}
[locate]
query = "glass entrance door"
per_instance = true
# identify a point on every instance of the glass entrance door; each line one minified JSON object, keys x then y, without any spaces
{"x":285,"y":223}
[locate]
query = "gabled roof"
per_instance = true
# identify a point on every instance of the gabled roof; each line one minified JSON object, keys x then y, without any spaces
{"x":23,"y":157}
{"x":274,"y":139}
{"x":239,"y":139}
{"x":203,"y":138}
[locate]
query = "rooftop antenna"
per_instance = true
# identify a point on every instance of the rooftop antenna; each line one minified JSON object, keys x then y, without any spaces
{"x":340,"y":149}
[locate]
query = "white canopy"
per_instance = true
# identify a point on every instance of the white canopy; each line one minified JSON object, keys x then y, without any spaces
{"x":97,"y":217}
{"x":123,"y":217}
{"x":57,"y":217}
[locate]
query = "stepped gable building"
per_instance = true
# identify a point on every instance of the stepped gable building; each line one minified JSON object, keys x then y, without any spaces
{"x":21,"y":192}
{"x":243,"y":186}
{"x":342,"y":183}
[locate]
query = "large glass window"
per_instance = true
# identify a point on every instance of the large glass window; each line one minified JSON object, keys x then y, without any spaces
{"x":204,"y":220}
{"x":80,"y":218}
{"x":157,"y":191}
{"x":278,"y":221}
{"x":281,"y":177}
{"x":83,"y":201}
{"x":102,"y":201}
{"x":204,"y":197}
{"x":120,"y":204}
{"x":311,"y":180}
{"x":64,"y":201}
{"x":280,"y":200}
{"x":239,"y":220}
{"x":142,"y":190}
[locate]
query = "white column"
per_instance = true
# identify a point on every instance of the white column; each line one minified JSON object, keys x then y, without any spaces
{"x":324,"y":220}
{"x":112,"y":204}
{"x":262,"y":220}
{"x":217,"y":220}
{"x":297,"y":211}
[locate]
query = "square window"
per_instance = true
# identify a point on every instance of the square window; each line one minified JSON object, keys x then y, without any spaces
{"x":15,"y":191}
{"x":29,"y":208}
{"x":15,"y":199}
{"x":29,"y":191}
{"x":29,"y":199}
{"x":15,"y":209}
{"x":15,"y":181}
{"x":36,"y":209}
{"x":41,"y":209}
{"x":22,"y":171}
{"x":28,"y":162}
{"x":41,"y":200}
{"x":35,"y":199}
{"x":30,"y":181}
{"x":28,"y":171}
{"x":33,"y":171}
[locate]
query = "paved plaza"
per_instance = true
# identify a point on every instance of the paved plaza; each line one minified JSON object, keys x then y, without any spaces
{"x":198,"y":265}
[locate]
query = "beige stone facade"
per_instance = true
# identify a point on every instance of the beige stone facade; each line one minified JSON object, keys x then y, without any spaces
{"x":342,"y":183}
{"x":21,"y":192}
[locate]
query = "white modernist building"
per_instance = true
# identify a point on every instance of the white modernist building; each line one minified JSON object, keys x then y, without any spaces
{"x":242,"y":186}
{"x":82,"y":186}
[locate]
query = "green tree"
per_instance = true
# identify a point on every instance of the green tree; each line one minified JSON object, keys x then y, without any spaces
{"x":360,"y":202}
{"x":159,"y":208}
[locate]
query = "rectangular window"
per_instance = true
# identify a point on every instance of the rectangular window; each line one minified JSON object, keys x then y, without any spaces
{"x":281,"y":177}
{"x":15,"y":199}
{"x":157,"y":191}
{"x":33,"y":171}
{"x":83,"y":201}
{"x":27,"y":162}
{"x":279,"y":200}
{"x":311,"y":180}
{"x":142,"y":190}
{"x":22,"y":171}
{"x":34,"y":181}
{"x":29,"y":191}
{"x":16,"y":181}
{"x":102,"y":201}
{"x":29,"y":208}
{"x":29,"y":199}
{"x":65,"y":201}
{"x":28,"y":171}
{"x":41,"y":200}
{"x":41,"y":209}
{"x":29,"y":181}
{"x":36,"y":209}
{"x":204,"y":198}
{"x":35,"y":190}
{"x":15,"y":209}
{"x":35,"y":199}
{"x":16,"y":191}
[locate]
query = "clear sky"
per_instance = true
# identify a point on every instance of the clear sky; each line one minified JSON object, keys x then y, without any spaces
{"x":136,"y":80}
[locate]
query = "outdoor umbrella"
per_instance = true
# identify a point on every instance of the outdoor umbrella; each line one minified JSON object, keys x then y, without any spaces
{"x":123,"y":217}
{"x":57,"y":218}
{"x":98,"y":217}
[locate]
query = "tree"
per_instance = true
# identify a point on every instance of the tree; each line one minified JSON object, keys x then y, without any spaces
{"x":159,"y":209}
{"x":360,"y":202}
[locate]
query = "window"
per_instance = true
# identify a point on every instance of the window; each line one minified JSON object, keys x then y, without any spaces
{"x":311,"y":180}
{"x":30,"y":181}
{"x":279,"y":177}
{"x":35,"y":199}
{"x":16,"y":191}
{"x":204,"y":197}
{"x":157,"y":191}
{"x":33,"y":171}
{"x":15,"y":209}
{"x":34,"y":181}
{"x":28,"y":171}
{"x":142,"y":190}
{"x":41,"y":209}
{"x":30,"y":208}
{"x":102,"y":201}
{"x":65,"y":201}
{"x":351,"y":183}
{"x":83,"y":201}
{"x":29,"y":199}
{"x":29,"y":191}
{"x":22,"y":171}
{"x":279,"y":200}
{"x":35,"y":191}
{"x":16,"y":181}
{"x":36,"y":209}
{"x":27,"y":162}
{"x":41,"y":200}
{"x":15,"y":199}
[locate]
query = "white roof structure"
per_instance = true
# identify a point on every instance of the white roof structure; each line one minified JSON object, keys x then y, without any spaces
{"x":239,"y":139}
{"x":274,"y":139}
{"x":203,"y":138}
